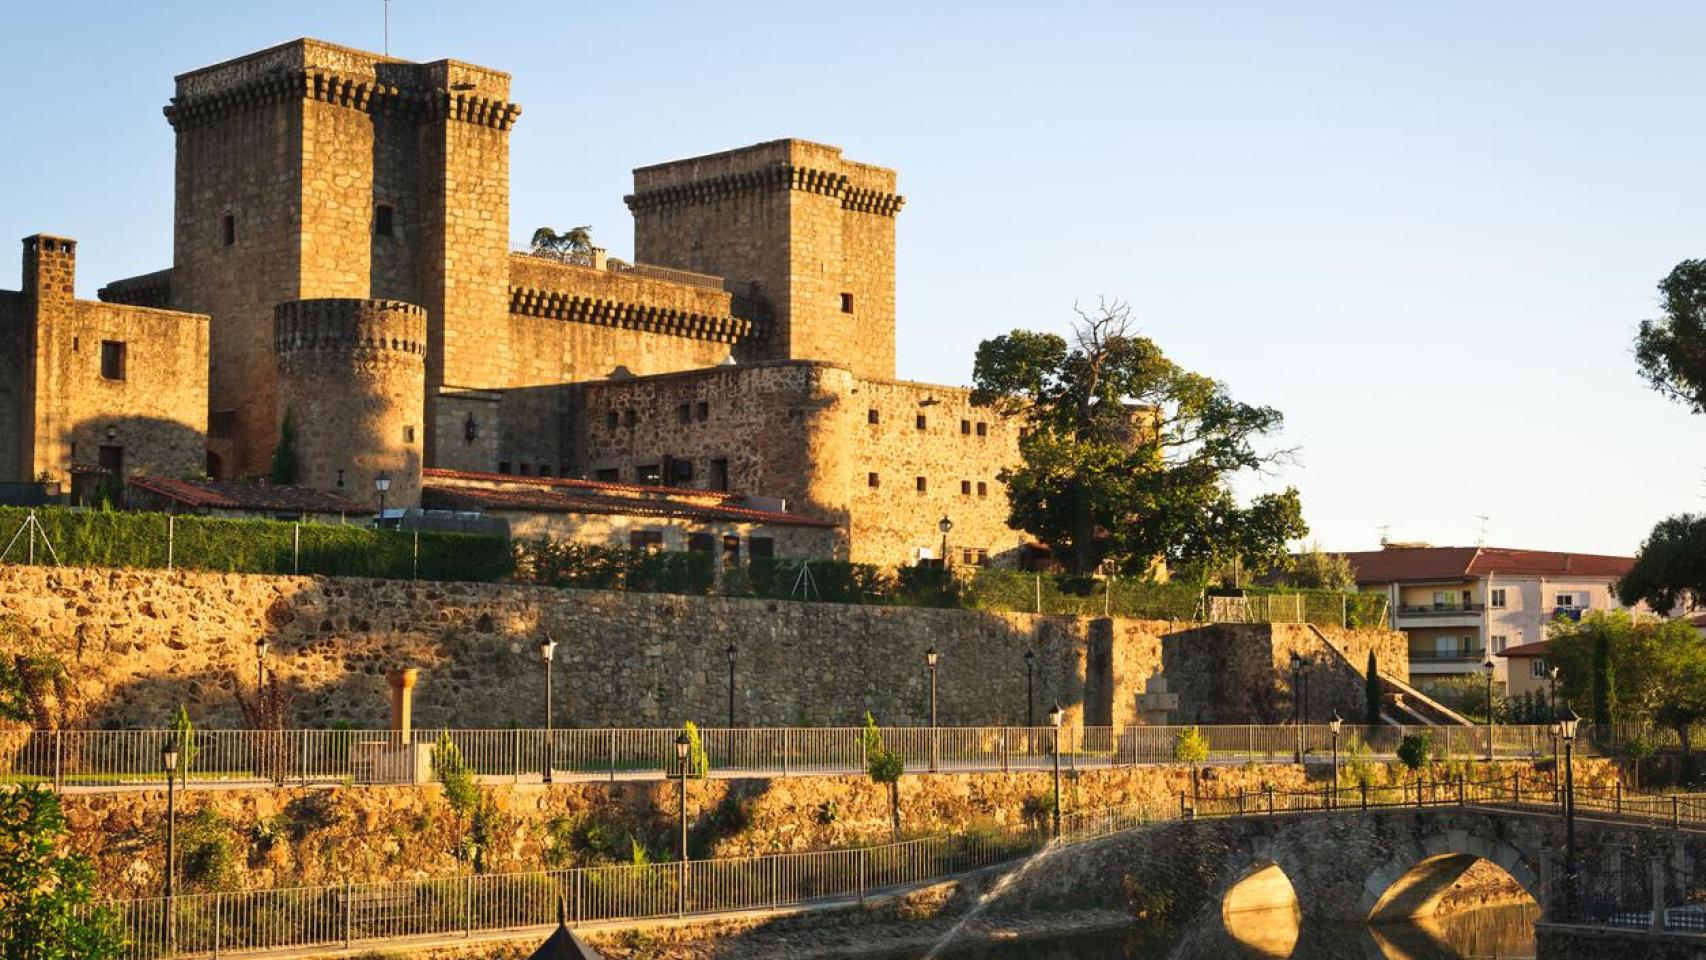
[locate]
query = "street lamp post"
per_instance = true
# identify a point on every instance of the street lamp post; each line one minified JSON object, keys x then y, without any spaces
{"x":382,"y":483}
{"x":1335,"y":724}
{"x":1553,"y":674}
{"x":731,"y":654}
{"x":1030,"y":688}
{"x":944,"y":525}
{"x":683,"y":746}
{"x":260,"y":666}
{"x":1054,"y":718}
{"x":548,"y":651}
{"x":1488,"y":667}
{"x":1567,"y":721}
{"x":930,"y":658}
{"x":169,"y":763}
{"x":1297,"y":702}
{"x":1557,"y":732}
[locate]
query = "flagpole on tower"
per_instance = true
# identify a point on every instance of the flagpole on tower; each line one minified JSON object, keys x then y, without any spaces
{"x":387,"y":28}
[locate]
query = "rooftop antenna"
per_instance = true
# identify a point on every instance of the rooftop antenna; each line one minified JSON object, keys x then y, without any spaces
{"x":387,"y":28}
{"x":1384,"y":529}
{"x":1481,"y":541}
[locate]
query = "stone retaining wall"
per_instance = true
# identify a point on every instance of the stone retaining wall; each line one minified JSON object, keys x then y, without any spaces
{"x":140,"y":642}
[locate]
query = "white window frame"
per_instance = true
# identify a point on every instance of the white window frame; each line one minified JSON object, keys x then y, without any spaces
{"x":1496,"y":598}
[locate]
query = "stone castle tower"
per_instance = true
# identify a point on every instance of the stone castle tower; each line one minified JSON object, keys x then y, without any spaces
{"x":351,"y":375}
{"x":310,"y":171}
{"x":811,"y":231}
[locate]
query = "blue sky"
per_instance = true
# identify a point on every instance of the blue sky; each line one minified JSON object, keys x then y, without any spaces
{"x":1425,"y":232}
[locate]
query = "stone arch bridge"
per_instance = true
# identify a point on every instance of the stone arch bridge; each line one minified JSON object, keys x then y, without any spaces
{"x":1345,"y":865}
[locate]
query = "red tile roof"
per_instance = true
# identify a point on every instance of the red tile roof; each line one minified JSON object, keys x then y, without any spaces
{"x":1536,"y":649}
{"x":544,"y":499}
{"x":244,"y":495}
{"x":1462,"y":563}
{"x":599,"y":486}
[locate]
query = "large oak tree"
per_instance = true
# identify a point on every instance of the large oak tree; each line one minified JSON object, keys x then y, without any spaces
{"x":1127,"y":456}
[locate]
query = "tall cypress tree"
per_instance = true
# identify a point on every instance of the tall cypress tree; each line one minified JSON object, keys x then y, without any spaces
{"x":1372,"y":693}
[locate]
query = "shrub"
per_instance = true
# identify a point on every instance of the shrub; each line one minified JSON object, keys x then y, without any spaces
{"x":1415,"y":750}
{"x":460,"y":789}
{"x":184,"y":733}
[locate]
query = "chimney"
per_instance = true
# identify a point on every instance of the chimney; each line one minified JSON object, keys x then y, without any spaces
{"x":50,"y":271}
{"x":403,"y":703}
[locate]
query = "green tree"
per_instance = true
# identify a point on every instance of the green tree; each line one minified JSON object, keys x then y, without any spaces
{"x":45,"y":896}
{"x":1671,"y":351}
{"x":286,"y":464}
{"x":183,"y":731}
{"x":1414,"y":752}
{"x":1637,"y":750}
{"x":1374,"y":696}
{"x":884,"y":766}
{"x":1604,"y":680}
{"x":32,"y":679}
{"x":1655,"y":668}
{"x":1127,"y":456}
{"x":1670,"y":569}
{"x":1315,"y":569}
{"x":1191,"y":746}
{"x":549,"y":243}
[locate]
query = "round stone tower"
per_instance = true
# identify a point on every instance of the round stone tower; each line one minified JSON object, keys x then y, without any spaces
{"x":352,"y":385}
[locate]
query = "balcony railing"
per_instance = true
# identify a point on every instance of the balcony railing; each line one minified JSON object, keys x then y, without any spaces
{"x":1468,"y":655}
{"x":1439,"y":609}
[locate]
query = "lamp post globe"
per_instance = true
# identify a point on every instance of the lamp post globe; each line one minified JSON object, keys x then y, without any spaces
{"x":930,"y":658}
{"x":1030,"y":699}
{"x":261,"y":647}
{"x":382,"y":484}
{"x":730,"y":653}
{"x":945,"y":525}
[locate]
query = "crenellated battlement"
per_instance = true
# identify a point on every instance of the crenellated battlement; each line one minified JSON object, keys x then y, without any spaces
{"x":351,"y":92}
{"x":349,"y":325}
{"x":775,"y":176}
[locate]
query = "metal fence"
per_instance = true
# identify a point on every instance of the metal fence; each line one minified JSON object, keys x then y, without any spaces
{"x":352,"y":914}
{"x":114,"y":759}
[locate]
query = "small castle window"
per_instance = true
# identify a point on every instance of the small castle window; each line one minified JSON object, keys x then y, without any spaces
{"x":720,"y":475}
{"x":610,"y":420}
{"x":702,"y":411}
{"x":524,"y":470}
{"x":923,"y":422}
{"x":628,"y":418}
{"x":408,"y":434}
{"x":760,"y":548}
{"x":228,"y":230}
{"x":384,"y":220}
{"x":982,"y":489}
{"x":646,"y":541}
{"x":872,"y":480}
{"x":965,"y":426}
{"x":965,"y":488}
{"x":608,"y":475}
{"x":112,"y":359}
{"x":340,"y":479}
{"x":649,"y":473}
{"x":923,"y":485}
{"x":847,"y":303}
{"x":982,"y":429}
{"x":872,"y":416}
{"x":503,"y":466}
{"x":470,"y":429}
{"x":684,"y":413}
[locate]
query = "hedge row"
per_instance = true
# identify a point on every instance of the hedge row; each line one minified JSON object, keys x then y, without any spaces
{"x":130,"y":539}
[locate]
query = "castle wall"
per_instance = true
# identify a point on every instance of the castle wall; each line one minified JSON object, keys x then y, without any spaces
{"x":148,"y":417}
{"x":824,"y":433}
{"x":352,"y":381}
{"x":780,"y":430}
{"x":137,"y":643}
{"x":893,"y":521}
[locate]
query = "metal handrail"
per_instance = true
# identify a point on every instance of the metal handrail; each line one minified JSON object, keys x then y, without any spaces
{"x":125,"y":759}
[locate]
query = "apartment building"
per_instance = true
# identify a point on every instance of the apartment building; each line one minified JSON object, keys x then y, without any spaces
{"x":1461,"y":606}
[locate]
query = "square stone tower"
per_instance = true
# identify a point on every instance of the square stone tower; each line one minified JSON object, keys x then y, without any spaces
{"x":311,"y":170}
{"x":795,"y":222}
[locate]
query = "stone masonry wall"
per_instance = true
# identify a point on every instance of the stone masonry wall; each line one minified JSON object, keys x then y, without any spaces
{"x":308,"y":836}
{"x":65,"y":408}
{"x":139,"y":643}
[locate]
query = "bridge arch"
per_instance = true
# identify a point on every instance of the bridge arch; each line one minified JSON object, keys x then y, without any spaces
{"x":1411,"y":883}
{"x":1259,"y":909}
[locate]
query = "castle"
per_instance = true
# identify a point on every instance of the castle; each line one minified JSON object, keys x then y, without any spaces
{"x":342,"y":275}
